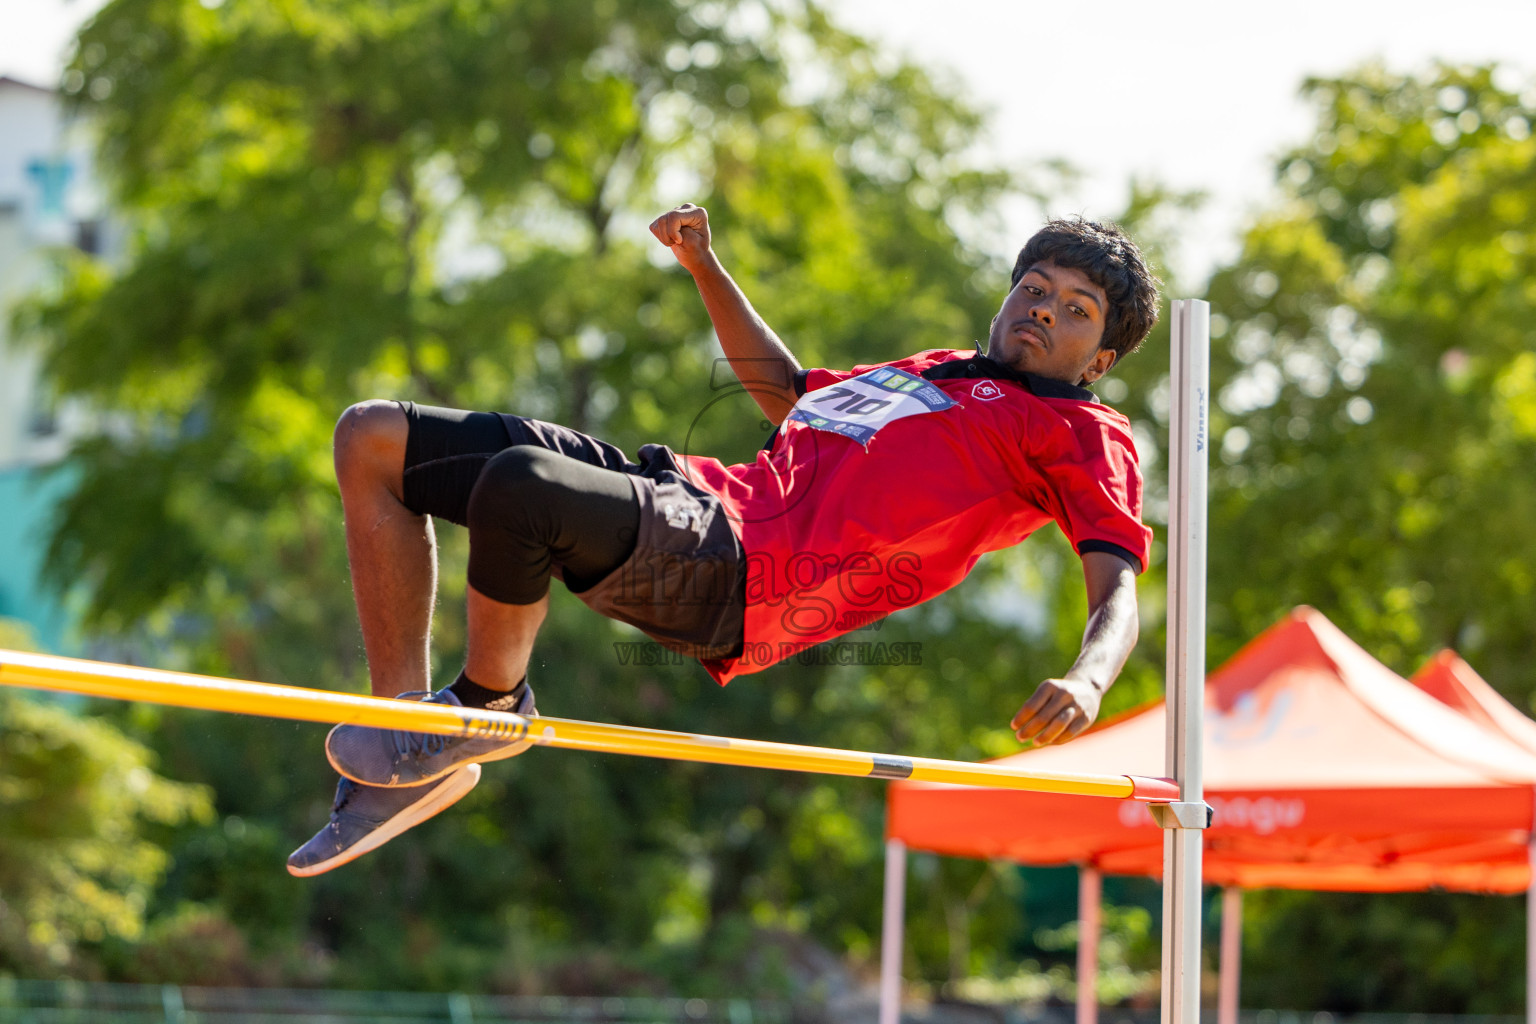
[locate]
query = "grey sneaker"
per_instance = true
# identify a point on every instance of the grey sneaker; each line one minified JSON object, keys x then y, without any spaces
{"x":364,"y":818}
{"x":394,"y":757}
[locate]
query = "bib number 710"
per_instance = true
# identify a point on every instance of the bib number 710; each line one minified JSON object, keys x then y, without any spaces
{"x":853,"y":403}
{"x":860,"y":407}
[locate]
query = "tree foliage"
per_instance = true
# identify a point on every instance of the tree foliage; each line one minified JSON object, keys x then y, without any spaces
{"x":81,"y":855}
{"x":1376,"y":353}
{"x":1374,"y":375}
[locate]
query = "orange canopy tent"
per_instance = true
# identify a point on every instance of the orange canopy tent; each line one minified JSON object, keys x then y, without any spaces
{"x":1452,"y":681}
{"x":1326,"y":770}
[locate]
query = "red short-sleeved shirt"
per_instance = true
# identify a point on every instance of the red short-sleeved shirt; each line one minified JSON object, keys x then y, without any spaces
{"x":840,"y":530}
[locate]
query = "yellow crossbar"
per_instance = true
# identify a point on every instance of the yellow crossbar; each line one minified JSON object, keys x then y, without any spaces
{"x":210,"y":693}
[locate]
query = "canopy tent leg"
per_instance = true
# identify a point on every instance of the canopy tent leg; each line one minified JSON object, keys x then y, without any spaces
{"x":1530,"y":937}
{"x":891,"y":930}
{"x":1231,"y":955}
{"x":1090,"y":891}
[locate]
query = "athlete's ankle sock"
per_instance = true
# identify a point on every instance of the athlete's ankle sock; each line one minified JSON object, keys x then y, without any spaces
{"x":472,"y":695}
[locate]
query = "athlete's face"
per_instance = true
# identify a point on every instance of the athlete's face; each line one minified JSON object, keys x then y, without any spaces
{"x":1051,"y":325}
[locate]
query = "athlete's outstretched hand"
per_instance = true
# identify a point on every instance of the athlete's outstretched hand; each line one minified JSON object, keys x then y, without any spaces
{"x":685,"y":231}
{"x":1057,"y":711}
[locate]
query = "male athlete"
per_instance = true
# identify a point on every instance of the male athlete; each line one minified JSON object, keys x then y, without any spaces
{"x":880,"y":488}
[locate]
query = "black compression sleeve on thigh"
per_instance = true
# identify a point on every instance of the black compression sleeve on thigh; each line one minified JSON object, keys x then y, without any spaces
{"x":444,"y":452}
{"x":533,"y":509}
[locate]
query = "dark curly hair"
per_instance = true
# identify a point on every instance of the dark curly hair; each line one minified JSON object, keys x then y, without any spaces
{"x":1112,"y":261}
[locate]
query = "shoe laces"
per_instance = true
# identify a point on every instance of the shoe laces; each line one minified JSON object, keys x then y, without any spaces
{"x":418,"y":744}
{"x":344,"y":792}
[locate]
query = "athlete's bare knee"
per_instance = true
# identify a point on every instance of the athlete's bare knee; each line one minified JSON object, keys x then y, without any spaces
{"x":369,"y":444}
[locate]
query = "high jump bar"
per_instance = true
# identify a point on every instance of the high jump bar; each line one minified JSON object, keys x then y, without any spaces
{"x":211,"y":693}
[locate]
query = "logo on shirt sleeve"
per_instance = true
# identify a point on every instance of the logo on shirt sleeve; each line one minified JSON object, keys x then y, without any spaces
{"x":986,"y":390}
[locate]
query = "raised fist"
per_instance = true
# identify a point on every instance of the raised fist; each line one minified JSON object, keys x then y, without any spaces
{"x":685,"y":231}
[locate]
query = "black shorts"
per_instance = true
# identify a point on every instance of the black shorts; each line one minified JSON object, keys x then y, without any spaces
{"x":683,"y":579}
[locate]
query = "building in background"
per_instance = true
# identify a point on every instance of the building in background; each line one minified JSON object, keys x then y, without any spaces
{"x":49,"y":201}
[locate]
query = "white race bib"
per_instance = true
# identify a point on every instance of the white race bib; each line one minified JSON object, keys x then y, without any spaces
{"x":860,"y":406}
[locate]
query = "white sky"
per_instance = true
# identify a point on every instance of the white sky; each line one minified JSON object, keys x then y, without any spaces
{"x":1199,"y":94}
{"x":1194,"y":93}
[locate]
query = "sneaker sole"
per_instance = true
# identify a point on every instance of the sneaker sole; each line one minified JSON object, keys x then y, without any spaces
{"x":441,"y":798}
{"x":500,"y":754}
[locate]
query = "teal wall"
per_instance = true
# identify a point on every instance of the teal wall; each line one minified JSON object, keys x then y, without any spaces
{"x":27,"y":499}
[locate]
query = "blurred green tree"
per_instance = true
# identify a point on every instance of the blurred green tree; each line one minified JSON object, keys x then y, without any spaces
{"x":1374,"y":374}
{"x":445,"y":200}
{"x":81,"y":832}
{"x":1374,"y":355}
